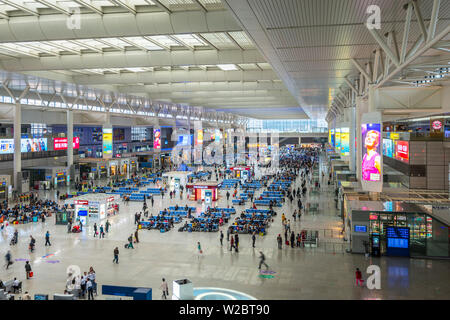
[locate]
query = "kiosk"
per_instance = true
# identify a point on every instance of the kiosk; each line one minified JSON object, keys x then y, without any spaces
{"x":242,"y":173}
{"x":92,"y":208}
{"x":204,"y":191}
{"x":175,"y":179}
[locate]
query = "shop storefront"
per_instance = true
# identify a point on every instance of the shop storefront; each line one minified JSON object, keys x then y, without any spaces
{"x":175,"y":179}
{"x":396,"y":228}
{"x":93,"y":208}
{"x":242,"y":173}
{"x":204,"y":191}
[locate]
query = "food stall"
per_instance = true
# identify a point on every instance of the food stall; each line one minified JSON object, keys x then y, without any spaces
{"x":204,"y":191}
{"x":94,"y":207}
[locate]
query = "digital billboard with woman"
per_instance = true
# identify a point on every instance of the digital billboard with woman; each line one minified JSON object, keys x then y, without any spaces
{"x":371,"y":161}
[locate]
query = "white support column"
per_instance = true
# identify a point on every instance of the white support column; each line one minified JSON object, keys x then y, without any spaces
{"x":17,"y":146}
{"x":70,"y":172}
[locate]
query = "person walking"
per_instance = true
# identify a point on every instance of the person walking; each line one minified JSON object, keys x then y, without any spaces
{"x":262,"y":259}
{"x":165,"y":289}
{"x":47,"y":239}
{"x":95,"y":230}
{"x":358,"y":276}
{"x":294,"y":215}
{"x":253,"y":239}
{"x":292,"y":239}
{"x":136,"y":235}
{"x":130,"y":242}
{"x":231,"y":243}
{"x":107,"y":224}
{"x":236,"y":243}
{"x":28,"y":269}
{"x":228,"y":196}
{"x":221,"y":238}
{"x":228,"y":234}
{"x":32,"y":243}
{"x":8,"y":259}
{"x":199,"y":248}
{"x":280,"y":241}
{"x":101,"y":233}
{"x":116,"y":255}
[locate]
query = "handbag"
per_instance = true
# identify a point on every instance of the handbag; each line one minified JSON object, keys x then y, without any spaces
{"x":30,"y":274}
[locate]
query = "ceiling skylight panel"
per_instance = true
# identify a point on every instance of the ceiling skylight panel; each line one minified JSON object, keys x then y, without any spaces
{"x":220,"y":40}
{"x":165,"y":41}
{"x":190,"y":39}
{"x":241,"y":38}
{"x":115,"y":42}
{"x":142,"y":42}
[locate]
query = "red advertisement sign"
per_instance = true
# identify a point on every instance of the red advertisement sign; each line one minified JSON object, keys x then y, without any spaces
{"x":82,"y":202}
{"x":61,"y":143}
{"x":402,"y":150}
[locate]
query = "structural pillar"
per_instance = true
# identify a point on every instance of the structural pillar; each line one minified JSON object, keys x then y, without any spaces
{"x":17,"y":147}
{"x":70,"y":170}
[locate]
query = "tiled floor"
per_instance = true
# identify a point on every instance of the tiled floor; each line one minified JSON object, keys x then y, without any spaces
{"x":326,"y":272}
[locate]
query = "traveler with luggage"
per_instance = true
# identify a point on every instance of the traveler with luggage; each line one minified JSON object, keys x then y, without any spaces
{"x":28,"y":270}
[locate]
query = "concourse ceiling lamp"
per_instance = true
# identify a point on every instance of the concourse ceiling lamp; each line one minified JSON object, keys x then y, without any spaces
{"x":227,"y":67}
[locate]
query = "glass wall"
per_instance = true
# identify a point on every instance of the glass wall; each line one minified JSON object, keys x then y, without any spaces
{"x":298,"y":125}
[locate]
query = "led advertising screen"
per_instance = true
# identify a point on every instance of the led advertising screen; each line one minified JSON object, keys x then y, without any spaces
{"x":388,"y":148}
{"x":157,"y":139}
{"x":338,"y":139}
{"x":107,"y":142}
{"x":345,"y":141}
{"x":402,"y":150}
{"x":184,"y":139}
{"x":371,"y":160}
{"x":33,"y":145}
{"x":6,"y":146}
{"x":61,"y":143}
{"x":199,"y":137}
{"x":332,"y":139}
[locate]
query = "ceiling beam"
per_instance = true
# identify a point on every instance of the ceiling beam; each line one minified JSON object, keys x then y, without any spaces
{"x":88,"y":4}
{"x":177,"y":76}
{"x":161,"y":6}
{"x":18,"y":6}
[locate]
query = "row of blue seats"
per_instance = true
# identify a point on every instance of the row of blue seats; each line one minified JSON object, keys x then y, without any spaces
{"x":217,"y":214}
{"x":178,"y":213}
{"x":184,"y":208}
{"x":266,"y":203}
{"x":176,"y":218}
{"x":128,"y":189}
{"x":239,"y":229}
{"x":237,"y":201}
{"x":264,"y":211}
{"x":231,"y":210}
{"x":278,"y":199}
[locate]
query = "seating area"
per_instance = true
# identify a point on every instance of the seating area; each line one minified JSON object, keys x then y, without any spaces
{"x":201,"y":225}
{"x":260,"y":211}
{"x":267,"y":203}
{"x":229,"y":183}
{"x":253,"y":185}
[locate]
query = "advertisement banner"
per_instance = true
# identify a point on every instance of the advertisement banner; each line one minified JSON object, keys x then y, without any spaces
{"x":107,"y":142}
{"x":61,"y":143}
{"x":388,"y":148}
{"x":437,"y":128}
{"x":338,"y":140}
{"x":33,"y":145}
{"x":402,"y":151}
{"x":371,"y":161}
{"x":157,"y":139}
{"x":26,"y":145}
{"x":199,"y":139}
{"x":345,"y":141}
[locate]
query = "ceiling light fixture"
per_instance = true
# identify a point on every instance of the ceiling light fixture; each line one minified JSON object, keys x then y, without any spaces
{"x":227,"y":67}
